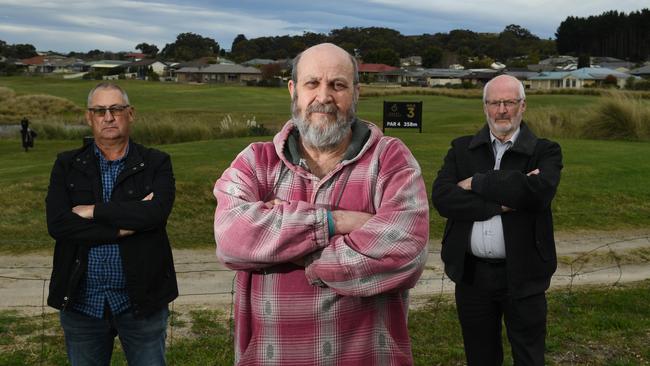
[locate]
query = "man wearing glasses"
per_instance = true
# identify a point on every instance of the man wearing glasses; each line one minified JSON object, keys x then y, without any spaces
{"x":107,"y":208}
{"x":495,"y":189}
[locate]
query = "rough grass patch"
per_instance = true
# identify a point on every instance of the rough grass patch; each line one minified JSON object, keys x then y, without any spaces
{"x":619,"y":116}
{"x":36,"y":106}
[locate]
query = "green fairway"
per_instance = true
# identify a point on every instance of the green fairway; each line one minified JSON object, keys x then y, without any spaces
{"x":603,"y":182}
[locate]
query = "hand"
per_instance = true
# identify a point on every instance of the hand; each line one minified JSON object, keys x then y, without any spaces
{"x":149,"y":197}
{"x":270,"y":204}
{"x":505,"y":209}
{"x":534,"y":172}
{"x":85,"y":211}
{"x":465,"y":184}
{"x":347,"y":221}
{"x":123,"y":232}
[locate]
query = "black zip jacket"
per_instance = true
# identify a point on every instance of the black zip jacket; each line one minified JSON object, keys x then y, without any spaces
{"x":528,"y":229}
{"x":146,"y":255}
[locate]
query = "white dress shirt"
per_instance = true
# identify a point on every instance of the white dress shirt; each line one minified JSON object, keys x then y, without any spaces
{"x":487,"y":236}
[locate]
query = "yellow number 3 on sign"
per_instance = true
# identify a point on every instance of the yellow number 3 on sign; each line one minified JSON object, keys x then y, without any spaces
{"x":411,"y":111}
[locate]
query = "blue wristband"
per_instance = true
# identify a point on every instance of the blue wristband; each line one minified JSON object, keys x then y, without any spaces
{"x":330,"y":224}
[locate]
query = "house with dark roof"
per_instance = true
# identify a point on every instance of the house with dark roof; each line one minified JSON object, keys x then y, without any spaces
{"x":53,"y":64}
{"x":141,"y":68}
{"x":258,"y":62}
{"x":219,"y":73}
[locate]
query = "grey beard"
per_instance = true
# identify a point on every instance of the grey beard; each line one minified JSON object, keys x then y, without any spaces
{"x":327,"y":137}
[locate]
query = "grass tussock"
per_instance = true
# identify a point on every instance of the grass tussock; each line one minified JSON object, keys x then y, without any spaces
{"x":616,"y":116}
{"x":34,"y":106}
{"x":6,"y":94}
{"x":619,"y":117}
{"x":154,"y":129}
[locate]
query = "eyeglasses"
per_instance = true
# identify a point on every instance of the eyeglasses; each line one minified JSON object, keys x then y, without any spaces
{"x":508,"y":103}
{"x":115,"y":110}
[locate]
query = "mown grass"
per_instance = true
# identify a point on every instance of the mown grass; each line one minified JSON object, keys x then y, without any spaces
{"x":603,"y":183}
{"x":588,"y":326}
{"x":603,"y":186}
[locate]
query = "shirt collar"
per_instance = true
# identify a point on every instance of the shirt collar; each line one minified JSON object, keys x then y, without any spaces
{"x":101,"y":157}
{"x":512,"y":138}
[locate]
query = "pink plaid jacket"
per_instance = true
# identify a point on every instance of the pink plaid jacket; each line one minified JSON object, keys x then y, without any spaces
{"x":349,"y":305}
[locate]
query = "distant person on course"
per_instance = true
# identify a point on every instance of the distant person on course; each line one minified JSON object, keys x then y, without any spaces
{"x":327,"y":227}
{"x":107,"y":208}
{"x":495,"y":189}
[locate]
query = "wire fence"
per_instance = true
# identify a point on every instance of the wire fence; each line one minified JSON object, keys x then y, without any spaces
{"x":599,"y":261}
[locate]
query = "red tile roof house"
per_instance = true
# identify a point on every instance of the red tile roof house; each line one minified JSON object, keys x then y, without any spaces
{"x":373,"y":72}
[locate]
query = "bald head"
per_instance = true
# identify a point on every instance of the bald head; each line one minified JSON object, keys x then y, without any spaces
{"x":326,"y":54}
{"x":502,"y":82}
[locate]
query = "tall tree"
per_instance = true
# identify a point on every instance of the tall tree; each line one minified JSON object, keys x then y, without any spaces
{"x":386,"y":56}
{"x":612,"y":33}
{"x":190,"y":46}
{"x":19,"y":50}
{"x":431,"y":56}
{"x":151,"y":50}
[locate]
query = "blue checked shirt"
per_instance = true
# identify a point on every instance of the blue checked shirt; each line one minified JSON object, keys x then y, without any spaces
{"x":104,"y":282}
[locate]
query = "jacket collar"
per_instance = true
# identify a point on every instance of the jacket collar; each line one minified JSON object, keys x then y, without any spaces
{"x":525,"y":143}
{"x":86,"y":158}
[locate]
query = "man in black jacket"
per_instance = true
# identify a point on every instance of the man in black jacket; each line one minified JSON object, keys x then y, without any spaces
{"x":107,"y":208}
{"x":495,"y":189}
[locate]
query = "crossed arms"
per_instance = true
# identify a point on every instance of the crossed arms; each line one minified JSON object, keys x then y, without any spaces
{"x":483,"y":195}
{"x":369,"y":253}
{"x":103,"y":223}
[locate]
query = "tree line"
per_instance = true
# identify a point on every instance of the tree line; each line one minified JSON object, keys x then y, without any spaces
{"x":387,"y":46}
{"x":612,"y":33}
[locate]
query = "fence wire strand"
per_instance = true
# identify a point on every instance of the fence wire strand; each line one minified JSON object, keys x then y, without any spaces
{"x":577,"y":266}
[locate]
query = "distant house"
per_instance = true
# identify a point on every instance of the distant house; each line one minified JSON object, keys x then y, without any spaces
{"x":643,"y":72}
{"x":106,"y":64}
{"x":201,"y":62}
{"x":577,"y":79}
{"x":445,"y":77}
{"x":141,"y":68}
{"x":135,"y":56}
{"x":523,"y":76}
{"x":557,"y":63}
{"x":219,"y":73}
{"x":611,"y":63}
{"x":375,"y":72}
{"x":53,"y":64}
{"x":256,"y":62}
{"x":410,"y":61}
{"x":480,"y":76}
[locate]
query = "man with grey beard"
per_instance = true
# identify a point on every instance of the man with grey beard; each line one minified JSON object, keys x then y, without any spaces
{"x":327,"y":228}
{"x":495,"y":188}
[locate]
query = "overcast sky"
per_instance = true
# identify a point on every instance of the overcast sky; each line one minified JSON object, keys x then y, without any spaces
{"x":119,"y":25}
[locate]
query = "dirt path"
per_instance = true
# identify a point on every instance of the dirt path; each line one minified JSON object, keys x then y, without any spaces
{"x":585,"y":258}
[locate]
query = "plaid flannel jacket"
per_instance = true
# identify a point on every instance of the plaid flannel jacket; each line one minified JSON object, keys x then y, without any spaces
{"x":349,"y":304}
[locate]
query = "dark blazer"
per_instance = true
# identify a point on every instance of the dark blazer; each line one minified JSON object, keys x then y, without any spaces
{"x":528,"y":230}
{"x":146,"y":255}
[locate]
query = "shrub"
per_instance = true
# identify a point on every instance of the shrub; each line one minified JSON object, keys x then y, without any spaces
{"x":554,"y":122}
{"x":6,"y":94}
{"x":619,"y":116}
{"x":34,"y":106}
